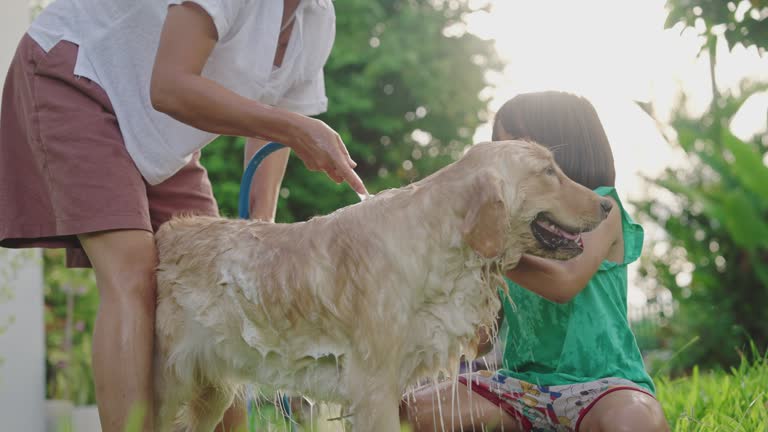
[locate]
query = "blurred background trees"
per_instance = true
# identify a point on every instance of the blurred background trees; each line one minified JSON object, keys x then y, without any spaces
{"x":403,"y":83}
{"x":713,"y":207}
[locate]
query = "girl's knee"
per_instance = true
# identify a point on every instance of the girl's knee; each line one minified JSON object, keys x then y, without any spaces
{"x":640,"y":413}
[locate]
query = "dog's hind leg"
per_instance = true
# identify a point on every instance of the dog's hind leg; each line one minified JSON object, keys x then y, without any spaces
{"x":206,"y":409}
{"x":169,"y":394}
{"x":170,"y":391}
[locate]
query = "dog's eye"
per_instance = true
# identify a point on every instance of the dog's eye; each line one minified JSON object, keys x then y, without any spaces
{"x":549,"y":171}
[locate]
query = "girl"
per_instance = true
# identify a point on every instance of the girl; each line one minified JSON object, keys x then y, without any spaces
{"x":570,"y":361}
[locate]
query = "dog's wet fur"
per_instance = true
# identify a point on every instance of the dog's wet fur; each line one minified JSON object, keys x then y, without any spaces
{"x":354,"y":306}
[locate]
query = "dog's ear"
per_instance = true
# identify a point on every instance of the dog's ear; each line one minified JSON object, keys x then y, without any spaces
{"x":486,"y":218}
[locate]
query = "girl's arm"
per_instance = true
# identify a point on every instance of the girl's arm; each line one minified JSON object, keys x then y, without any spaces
{"x":178,"y":89}
{"x":561,"y":281}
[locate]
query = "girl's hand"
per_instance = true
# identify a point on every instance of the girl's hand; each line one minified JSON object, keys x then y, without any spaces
{"x":561,"y":281}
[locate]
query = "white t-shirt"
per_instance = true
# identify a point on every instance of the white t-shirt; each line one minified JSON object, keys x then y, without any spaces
{"x":118,"y":40}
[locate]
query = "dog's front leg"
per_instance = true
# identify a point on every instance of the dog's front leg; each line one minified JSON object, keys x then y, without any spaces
{"x":375,"y":400}
{"x":376,"y":412}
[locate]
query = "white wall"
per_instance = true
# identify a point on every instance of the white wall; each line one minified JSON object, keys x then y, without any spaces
{"x":14,"y":20}
{"x":22,"y":346}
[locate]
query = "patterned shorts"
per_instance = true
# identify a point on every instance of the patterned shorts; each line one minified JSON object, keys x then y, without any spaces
{"x":545,"y":408}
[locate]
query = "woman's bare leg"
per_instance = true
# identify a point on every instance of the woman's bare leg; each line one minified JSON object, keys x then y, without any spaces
{"x":235,"y":418}
{"x":124,"y":262}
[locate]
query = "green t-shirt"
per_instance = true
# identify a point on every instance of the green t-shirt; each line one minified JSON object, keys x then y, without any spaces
{"x":585,"y":339}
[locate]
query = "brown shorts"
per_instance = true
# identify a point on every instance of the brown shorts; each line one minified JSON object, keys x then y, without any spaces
{"x":64,"y":169}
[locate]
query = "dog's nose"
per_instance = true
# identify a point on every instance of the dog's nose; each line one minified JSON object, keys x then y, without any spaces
{"x":606,"y":206}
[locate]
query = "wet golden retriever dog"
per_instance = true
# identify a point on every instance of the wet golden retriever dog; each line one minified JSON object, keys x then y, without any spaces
{"x":354,"y":306}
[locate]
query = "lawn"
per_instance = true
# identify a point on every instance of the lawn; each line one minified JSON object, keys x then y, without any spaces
{"x":733,"y":401}
{"x":726,"y":401}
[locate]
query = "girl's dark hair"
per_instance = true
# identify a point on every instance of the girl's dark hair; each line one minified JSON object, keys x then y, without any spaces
{"x":567,"y":124}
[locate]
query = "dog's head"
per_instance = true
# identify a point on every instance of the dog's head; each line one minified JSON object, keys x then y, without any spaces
{"x":519,"y":200}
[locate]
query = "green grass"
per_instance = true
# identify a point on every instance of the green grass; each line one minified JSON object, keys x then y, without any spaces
{"x":712,"y":401}
{"x":267,"y":418}
{"x":732,"y":401}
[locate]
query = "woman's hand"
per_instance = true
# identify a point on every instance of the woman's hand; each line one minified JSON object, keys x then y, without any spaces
{"x":321,"y":149}
{"x":178,"y":89}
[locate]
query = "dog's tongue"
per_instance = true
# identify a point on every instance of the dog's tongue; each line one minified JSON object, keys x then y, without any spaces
{"x":556,"y":229}
{"x":569,"y":236}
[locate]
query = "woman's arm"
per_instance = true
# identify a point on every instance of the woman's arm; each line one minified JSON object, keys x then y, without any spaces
{"x":561,"y":281}
{"x":178,"y":89}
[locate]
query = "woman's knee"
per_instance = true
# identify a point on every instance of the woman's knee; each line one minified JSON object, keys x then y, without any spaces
{"x":124,"y":262}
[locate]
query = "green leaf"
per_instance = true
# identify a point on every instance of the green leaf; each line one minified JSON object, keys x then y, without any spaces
{"x":710,"y":201}
{"x":761,"y":270}
{"x":734,"y":101}
{"x":748,"y":165}
{"x":748,"y":228}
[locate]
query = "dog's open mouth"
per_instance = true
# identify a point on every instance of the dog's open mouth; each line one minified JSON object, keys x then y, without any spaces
{"x":553,"y":236}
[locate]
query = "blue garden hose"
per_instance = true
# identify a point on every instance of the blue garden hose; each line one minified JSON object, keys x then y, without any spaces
{"x":243,"y":211}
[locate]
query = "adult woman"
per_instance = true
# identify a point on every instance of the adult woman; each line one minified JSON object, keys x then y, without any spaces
{"x":105,"y":108}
